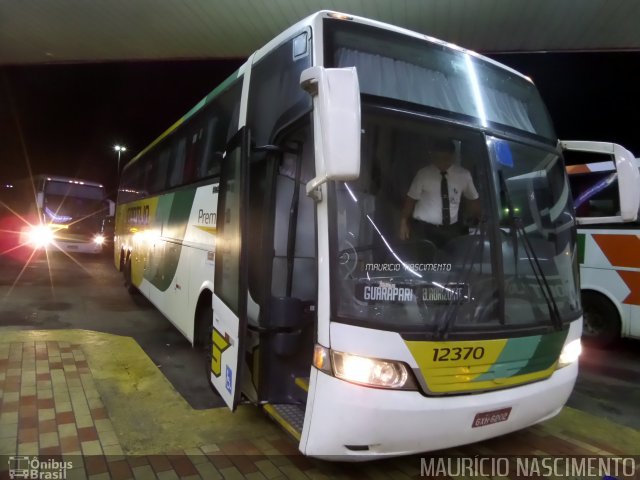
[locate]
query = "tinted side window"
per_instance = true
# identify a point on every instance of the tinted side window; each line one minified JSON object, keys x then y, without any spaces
{"x":594,"y":183}
{"x":275,"y":96}
{"x":219,"y":124}
{"x":177,"y":162}
{"x":130,"y":183}
{"x":596,"y":194}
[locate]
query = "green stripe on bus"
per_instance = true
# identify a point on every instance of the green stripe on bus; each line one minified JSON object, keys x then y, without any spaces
{"x":546,"y":353}
{"x":525,"y":355}
{"x":515,"y":355}
{"x":176,"y":209}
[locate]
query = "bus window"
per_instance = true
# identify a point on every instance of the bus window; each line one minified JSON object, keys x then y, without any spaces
{"x":594,"y":183}
{"x":301,"y":281}
{"x":221,"y":123}
{"x":177,"y":164}
{"x":194,"y":151}
{"x":596,"y":194}
{"x":209,"y":165}
{"x":161,"y":165}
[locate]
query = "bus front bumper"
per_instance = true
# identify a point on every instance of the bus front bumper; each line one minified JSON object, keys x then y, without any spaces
{"x":351,"y":423}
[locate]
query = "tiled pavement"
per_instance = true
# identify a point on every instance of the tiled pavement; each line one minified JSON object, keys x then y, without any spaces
{"x":52,"y":406}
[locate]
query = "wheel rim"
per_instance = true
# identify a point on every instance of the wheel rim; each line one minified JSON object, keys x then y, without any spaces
{"x":594,"y":323}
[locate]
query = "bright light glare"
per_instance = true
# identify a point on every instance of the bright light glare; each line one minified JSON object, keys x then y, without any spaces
{"x":147,"y":236}
{"x":40,"y":236}
{"x":98,"y":239}
{"x":369,"y":371}
{"x":570,"y":353}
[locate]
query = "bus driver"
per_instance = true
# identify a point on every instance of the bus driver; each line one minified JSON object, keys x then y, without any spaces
{"x":433,"y":201}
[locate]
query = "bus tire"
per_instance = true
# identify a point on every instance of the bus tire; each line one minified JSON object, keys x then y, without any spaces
{"x":128,"y":283}
{"x":121,"y":262}
{"x":601,"y":320}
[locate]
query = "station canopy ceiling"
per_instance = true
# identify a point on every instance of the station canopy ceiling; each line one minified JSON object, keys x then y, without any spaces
{"x":64,"y":31}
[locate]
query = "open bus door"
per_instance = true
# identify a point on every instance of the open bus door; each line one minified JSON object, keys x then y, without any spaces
{"x":623,"y":173}
{"x":230,"y":283}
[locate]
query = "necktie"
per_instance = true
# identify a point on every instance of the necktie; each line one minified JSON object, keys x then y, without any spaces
{"x":444,"y":192}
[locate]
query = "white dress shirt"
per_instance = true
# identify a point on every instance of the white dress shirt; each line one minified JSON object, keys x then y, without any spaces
{"x":425,"y":189}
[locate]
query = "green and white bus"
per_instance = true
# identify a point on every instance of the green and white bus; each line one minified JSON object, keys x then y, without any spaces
{"x":607,"y":249}
{"x":265,"y":225}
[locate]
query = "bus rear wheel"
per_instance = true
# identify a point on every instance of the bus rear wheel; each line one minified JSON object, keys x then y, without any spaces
{"x":128,"y":283}
{"x":601,"y":325}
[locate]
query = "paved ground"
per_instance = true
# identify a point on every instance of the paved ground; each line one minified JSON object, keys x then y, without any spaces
{"x":87,"y":292}
{"x":65,"y":393}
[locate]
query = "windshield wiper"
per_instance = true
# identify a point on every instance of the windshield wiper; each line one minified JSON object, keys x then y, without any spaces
{"x":534,"y":261}
{"x":442,"y":331}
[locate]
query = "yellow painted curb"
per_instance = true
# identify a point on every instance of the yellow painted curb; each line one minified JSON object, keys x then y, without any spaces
{"x":148,"y":414}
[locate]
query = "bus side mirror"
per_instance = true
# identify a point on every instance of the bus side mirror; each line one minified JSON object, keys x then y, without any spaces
{"x":40,"y":199}
{"x":336,"y":118}
{"x":112,"y":207}
{"x":627,"y":176}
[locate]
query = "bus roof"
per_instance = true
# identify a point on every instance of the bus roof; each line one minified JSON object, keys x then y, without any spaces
{"x":286,"y":34}
{"x":78,"y":181}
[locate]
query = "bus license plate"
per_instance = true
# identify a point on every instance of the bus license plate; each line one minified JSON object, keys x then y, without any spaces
{"x":489,"y":418}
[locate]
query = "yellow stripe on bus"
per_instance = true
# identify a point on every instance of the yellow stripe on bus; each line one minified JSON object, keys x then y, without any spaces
{"x":454,"y":367}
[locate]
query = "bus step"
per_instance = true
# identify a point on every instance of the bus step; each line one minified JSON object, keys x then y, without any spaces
{"x":290,"y":417}
{"x":303,"y":383}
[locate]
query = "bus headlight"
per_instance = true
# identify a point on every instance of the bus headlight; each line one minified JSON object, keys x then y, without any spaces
{"x":367,"y":371}
{"x":98,"y":239}
{"x":40,"y":236}
{"x":570,"y":353}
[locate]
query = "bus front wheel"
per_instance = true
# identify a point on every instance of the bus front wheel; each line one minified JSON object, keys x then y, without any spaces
{"x":601,"y":325}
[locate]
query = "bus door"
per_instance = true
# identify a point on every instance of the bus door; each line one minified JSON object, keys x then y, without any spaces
{"x":230,"y":282}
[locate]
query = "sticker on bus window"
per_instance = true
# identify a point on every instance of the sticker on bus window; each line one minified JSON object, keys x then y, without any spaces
{"x":503,"y":153}
{"x":436,"y":294}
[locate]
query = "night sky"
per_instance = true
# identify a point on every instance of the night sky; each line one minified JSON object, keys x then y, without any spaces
{"x":71,"y":116}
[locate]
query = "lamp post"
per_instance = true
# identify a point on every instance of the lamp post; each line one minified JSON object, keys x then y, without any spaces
{"x":119,"y":149}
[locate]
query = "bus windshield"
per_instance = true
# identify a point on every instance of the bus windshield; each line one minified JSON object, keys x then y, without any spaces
{"x":449,"y":81}
{"x":65,"y":202}
{"x":480,"y":276}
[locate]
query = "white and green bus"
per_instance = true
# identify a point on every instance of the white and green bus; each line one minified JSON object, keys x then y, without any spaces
{"x":607,"y":249}
{"x":265,"y":225}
